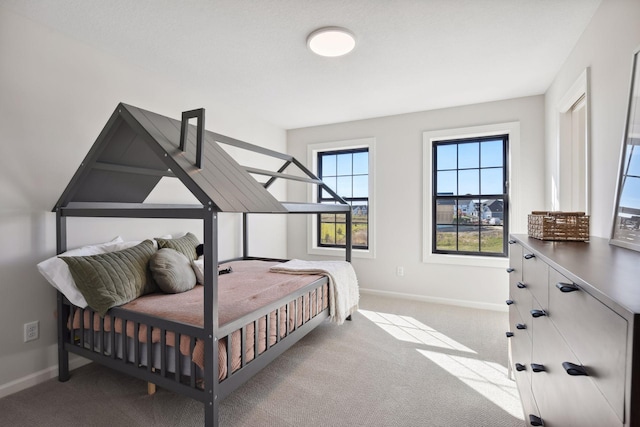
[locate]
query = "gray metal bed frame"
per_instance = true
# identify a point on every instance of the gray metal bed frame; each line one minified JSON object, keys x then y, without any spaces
{"x":135,"y":149}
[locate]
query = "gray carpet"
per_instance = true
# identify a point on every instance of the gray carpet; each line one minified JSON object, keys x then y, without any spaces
{"x":398,"y":363}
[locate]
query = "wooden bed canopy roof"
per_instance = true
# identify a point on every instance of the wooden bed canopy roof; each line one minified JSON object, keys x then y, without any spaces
{"x":137,"y":148}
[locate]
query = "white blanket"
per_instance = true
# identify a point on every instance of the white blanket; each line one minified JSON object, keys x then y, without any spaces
{"x":343,"y":284}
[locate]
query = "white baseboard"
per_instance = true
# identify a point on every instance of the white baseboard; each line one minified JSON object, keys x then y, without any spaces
{"x":39,"y":377}
{"x":438,"y":300}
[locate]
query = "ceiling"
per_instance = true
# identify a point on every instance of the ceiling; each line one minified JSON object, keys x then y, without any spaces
{"x":411,"y":55}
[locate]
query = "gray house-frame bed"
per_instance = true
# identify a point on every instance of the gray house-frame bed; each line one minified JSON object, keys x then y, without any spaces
{"x":133,"y":152}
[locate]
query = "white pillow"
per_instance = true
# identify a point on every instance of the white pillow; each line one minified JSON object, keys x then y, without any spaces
{"x":198,"y":269}
{"x":57,"y":271}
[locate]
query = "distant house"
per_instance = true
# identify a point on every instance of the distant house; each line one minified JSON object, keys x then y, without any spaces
{"x":360,"y":210}
{"x":497,"y":208}
{"x":483,"y":210}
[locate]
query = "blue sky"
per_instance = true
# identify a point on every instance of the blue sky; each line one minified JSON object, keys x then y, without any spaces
{"x":480,"y":163}
{"x":337,"y":172}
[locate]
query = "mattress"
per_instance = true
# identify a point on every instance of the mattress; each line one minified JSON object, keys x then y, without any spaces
{"x":247,"y":289}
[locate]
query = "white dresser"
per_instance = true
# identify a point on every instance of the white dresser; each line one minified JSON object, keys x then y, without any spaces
{"x":573,"y":308}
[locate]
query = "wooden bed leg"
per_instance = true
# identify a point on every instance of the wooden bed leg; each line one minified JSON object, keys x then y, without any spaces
{"x":151,"y":389}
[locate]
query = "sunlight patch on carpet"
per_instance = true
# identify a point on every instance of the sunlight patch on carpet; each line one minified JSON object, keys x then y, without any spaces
{"x":406,"y":328}
{"x":487,"y":378}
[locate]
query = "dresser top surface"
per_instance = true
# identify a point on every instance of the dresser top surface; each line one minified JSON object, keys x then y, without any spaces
{"x":612,"y":272}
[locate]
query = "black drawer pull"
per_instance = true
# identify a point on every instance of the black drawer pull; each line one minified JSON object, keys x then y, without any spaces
{"x":536,"y":367}
{"x":521,"y":326}
{"x":510,"y":270}
{"x":538,"y":313}
{"x":567,"y":287}
{"x":511,"y":241}
{"x":509,"y":301}
{"x":529,"y":256}
{"x":509,"y":334}
{"x":535,"y":421}
{"x":520,"y":367}
{"x":573,"y":369}
{"x":521,"y":285}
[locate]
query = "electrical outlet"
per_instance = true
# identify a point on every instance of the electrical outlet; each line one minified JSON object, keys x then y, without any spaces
{"x":400,"y":271}
{"x":31,"y":331}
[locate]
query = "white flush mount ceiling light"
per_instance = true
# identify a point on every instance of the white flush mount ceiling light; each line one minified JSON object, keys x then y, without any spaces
{"x":331,"y":41}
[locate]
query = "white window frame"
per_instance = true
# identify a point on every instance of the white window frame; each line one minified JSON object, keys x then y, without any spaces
{"x":572,"y":168}
{"x":512,"y":129}
{"x":312,"y":160}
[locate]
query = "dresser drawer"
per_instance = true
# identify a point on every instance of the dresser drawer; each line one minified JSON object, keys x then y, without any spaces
{"x":515,"y":260}
{"x":535,"y":275}
{"x":595,"y":333}
{"x":520,"y":350}
{"x":529,"y":406}
{"x":518,"y":323}
{"x":564,"y":400}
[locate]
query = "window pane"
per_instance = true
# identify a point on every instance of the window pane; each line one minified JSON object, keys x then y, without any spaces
{"x":360,"y":220}
{"x":447,"y":156}
{"x":331,"y":183}
{"x":328,"y":165}
{"x":445,"y":211}
{"x":447,"y":182}
{"x":360,"y":211}
{"x":345,"y":162}
{"x":466,"y":212}
{"x":491,"y":153}
{"x":494,"y":211}
{"x":468,"y":155}
{"x":446,"y":238}
{"x":492,"y":239}
{"x":344,"y":186}
{"x":361,"y":186}
{"x":469,"y":182}
{"x":468,"y":238}
{"x":361,"y":163}
{"x":491,"y":180}
{"x":341,"y":234}
{"x":328,"y":233}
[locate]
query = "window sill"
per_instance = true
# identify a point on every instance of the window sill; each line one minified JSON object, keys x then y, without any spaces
{"x":468,"y":260}
{"x":340,"y":252}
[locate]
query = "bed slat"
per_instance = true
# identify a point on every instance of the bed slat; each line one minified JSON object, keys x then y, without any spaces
{"x":136,"y":343}
{"x":163,"y":352}
{"x":177,"y":354}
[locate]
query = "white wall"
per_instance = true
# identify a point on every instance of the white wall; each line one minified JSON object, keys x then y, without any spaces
{"x":399,"y":200}
{"x":56,"y":95}
{"x":606,"y":47}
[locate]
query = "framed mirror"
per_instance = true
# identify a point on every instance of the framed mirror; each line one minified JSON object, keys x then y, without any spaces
{"x":626,"y":217}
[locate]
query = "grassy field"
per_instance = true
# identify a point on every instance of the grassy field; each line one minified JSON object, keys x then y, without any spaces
{"x":333,"y":230}
{"x":489,"y":240}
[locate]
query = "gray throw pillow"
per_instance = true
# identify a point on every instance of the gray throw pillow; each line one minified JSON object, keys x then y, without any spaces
{"x":114,"y":278}
{"x":185,"y":245}
{"x":172,"y":271}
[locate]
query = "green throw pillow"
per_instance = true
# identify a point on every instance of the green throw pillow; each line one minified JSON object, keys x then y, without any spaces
{"x":114,"y":278}
{"x":172,"y":271}
{"x":185,"y":245}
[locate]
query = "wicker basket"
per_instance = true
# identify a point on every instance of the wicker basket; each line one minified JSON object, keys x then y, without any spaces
{"x":545,"y":225}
